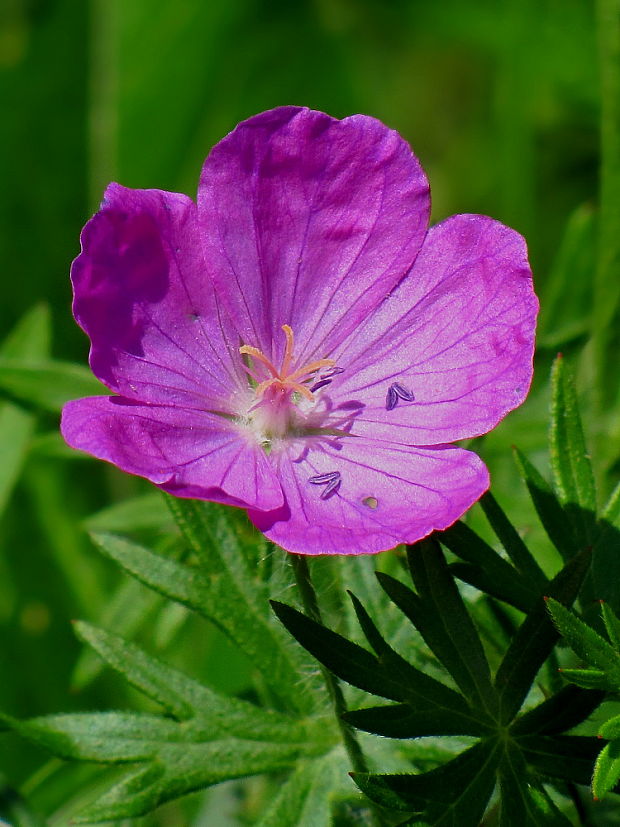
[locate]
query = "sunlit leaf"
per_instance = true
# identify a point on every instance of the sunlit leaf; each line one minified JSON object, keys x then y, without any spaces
{"x":568,"y":453}
{"x":212,"y":593}
{"x":606,"y":769}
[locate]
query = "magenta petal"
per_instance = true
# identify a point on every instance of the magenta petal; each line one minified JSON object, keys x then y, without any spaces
{"x":189,"y":453}
{"x":383,"y":495}
{"x":309,"y":221}
{"x":142,"y":296}
{"x":456,"y":337}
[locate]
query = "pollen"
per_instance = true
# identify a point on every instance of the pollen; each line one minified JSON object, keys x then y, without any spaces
{"x":283,"y":379}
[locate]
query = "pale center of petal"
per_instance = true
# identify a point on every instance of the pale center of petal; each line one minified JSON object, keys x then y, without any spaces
{"x":278,"y":392}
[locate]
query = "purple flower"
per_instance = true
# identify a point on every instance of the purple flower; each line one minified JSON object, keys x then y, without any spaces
{"x":299,"y":343}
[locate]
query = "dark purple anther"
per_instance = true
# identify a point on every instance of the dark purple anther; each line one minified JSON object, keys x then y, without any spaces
{"x":331,"y":372}
{"x":396,"y":392}
{"x":326,"y":378}
{"x":331,"y":480}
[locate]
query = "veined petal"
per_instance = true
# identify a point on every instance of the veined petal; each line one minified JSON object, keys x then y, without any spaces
{"x":309,"y":221}
{"x":456,"y":339}
{"x":187,"y":452}
{"x":369,"y":496}
{"x":141,"y":294}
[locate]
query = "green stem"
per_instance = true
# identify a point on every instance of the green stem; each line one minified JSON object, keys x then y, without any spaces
{"x":310,"y":604}
{"x":607,"y":279}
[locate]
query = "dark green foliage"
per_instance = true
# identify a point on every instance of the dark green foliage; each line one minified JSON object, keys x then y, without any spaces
{"x":521,"y":744}
{"x":602,"y":671}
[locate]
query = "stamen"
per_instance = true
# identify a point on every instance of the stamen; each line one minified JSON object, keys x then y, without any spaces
{"x":311,"y":368}
{"x":331,"y":480}
{"x":288,"y":352}
{"x":332,"y":372}
{"x":395,"y":392}
{"x":293,"y":382}
{"x":255,"y":353}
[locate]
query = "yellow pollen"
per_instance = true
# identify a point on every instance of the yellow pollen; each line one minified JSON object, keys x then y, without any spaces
{"x":282,"y":378}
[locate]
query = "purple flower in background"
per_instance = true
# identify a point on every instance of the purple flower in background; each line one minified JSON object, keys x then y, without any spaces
{"x":299,"y":343}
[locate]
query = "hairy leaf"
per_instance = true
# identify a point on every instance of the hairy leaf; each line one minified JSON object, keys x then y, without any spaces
{"x":535,"y":639}
{"x":212,"y":594}
{"x":522,"y":559}
{"x":454,"y":794}
{"x":548,"y":507}
{"x":588,"y":644}
{"x":568,"y":454}
{"x":569,"y":757}
{"x":524,"y":804}
{"x":606,"y":769}
{"x":559,"y":713}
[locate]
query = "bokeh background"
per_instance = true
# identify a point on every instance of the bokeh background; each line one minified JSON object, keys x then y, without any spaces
{"x":499,"y":99}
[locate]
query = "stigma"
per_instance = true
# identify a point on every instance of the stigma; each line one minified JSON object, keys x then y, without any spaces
{"x":283,"y":380}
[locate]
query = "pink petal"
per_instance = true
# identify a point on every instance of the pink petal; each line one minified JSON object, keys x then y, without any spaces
{"x":142,"y":296}
{"x":457,"y":334}
{"x":309,"y":221}
{"x":388,"y":494}
{"x":187,"y":452}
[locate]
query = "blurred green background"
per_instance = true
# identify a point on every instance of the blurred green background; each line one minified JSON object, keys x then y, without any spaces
{"x":499,"y":99}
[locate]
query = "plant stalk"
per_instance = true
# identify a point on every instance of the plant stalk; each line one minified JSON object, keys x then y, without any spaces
{"x":311,"y":606}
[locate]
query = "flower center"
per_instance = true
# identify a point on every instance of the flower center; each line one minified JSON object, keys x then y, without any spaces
{"x":275,"y":413}
{"x":284,"y":379}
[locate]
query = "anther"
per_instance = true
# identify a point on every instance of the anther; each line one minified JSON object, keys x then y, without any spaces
{"x":395,"y":392}
{"x":331,"y":480}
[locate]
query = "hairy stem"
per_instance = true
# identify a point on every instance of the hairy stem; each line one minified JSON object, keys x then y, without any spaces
{"x":310,"y":604}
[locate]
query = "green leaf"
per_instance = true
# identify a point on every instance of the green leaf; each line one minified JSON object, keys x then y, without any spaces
{"x":588,"y":644}
{"x":47,"y":384}
{"x":522,"y":803}
{"x":611,"y":510}
{"x":16,"y":430}
{"x":612,"y":625}
{"x":606,"y":770}
{"x":421,"y":690}
{"x":179,"y":769}
{"x":495,"y":571}
{"x":212,"y":593}
{"x":180,"y":756}
{"x":522,"y":558}
{"x":308,"y":794}
{"x":611,"y":728}
{"x":569,"y":757}
{"x":559,"y":713}
{"x":185,"y":698}
{"x":548,"y":507}
{"x":128,"y":608}
{"x":29,"y":340}
{"x":137,"y":513}
{"x":509,"y":592}
{"x":568,"y":453}
{"x":441,"y":618}
{"x":409,"y":721}
{"x":387,"y":675}
{"x":535,"y":639}
{"x":348,"y":661}
{"x":455,"y":793}
{"x":589,"y":679}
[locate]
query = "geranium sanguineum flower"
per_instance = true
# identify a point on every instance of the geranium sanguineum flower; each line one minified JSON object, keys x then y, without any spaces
{"x":299,"y":343}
